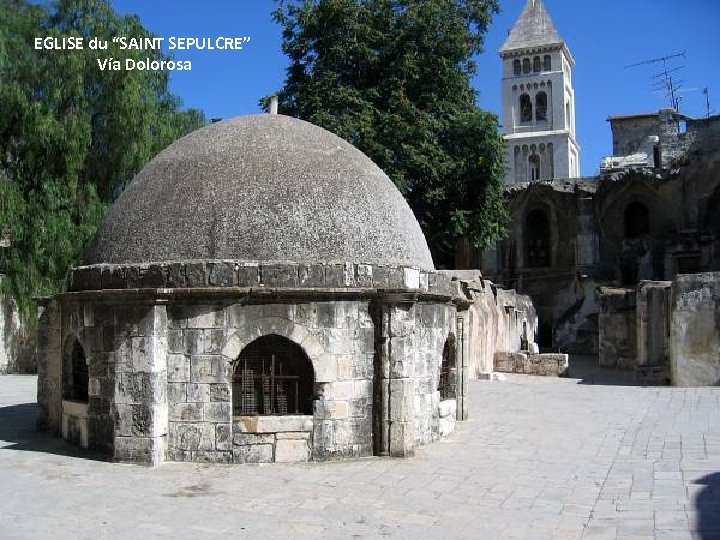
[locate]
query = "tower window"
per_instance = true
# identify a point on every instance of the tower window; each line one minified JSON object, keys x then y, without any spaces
{"x":541,"y":106}
{"x":517,"y":67}
{"x":534,"y":163}
{"x":526,"y":65}
{"x":547,"y":61}
{"x":525,"y":108}
{"x":536,"y":64}
{"x":273,"y":376}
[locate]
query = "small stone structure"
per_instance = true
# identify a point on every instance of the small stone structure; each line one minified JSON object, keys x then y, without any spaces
{"x":260,"y":292}
{"x":695,"y":331}
{"x":549,"y":364}
{"x":618,"y":328}
{"x":667,"y":332}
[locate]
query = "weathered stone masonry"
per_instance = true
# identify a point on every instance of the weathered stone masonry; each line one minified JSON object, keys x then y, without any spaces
{"x":161,"y":360}
{"x":260,"y":292}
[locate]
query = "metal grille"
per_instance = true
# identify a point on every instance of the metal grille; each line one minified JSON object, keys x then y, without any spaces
{"x":273,"y":376}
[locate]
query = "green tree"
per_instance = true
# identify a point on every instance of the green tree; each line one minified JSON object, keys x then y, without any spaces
{"x":71,"y":136}
{"x":393,"y":78}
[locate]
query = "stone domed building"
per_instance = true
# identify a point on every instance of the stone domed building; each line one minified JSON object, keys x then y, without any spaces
{"x":260,"y":292}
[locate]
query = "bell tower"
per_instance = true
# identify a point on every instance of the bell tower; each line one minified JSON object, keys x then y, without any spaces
{"x":538,"y":100}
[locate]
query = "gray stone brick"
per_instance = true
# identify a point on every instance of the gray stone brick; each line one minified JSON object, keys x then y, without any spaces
{"x":257,"y":453}
{"x":186,"y":412}
{"x":208,"y":369}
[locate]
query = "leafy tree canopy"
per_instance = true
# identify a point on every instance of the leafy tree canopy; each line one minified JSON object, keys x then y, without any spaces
{"x":393,"y":77}
{"x":71,"y":136}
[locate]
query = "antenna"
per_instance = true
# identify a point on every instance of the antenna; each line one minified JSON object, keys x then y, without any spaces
{"x":707,"y":100}
{"x":671,"y":87}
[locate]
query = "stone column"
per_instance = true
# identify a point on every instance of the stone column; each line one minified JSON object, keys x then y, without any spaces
{"x":141,"y":409}
{"x":395,"y":384}
{"x":49,"y":366}
{"x":462,"y":362}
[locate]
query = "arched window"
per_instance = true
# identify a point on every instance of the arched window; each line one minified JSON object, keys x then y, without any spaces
{"x":541,"y":106}
{"x":517,"y":67}
{"x":526,"y":65}
{"x":76,"y":374}
{"x":273,"y":375}
{"x":547,"y":61}
{"x":534,"y":165}
{"x":525,"y":108}
{"x":637,"y":220}
{"x":448,"y":370}
{"x":537,"y":239}
{"x":536,"y":64}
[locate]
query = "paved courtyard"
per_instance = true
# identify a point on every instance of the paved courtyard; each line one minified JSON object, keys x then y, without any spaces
{"x":540,"y":458}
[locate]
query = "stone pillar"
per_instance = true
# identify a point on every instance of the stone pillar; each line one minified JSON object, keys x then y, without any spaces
{"x":462,"y":359}
{"x":395,"y":385}
{"x":49,"y":366}
{"x":141,"y":409}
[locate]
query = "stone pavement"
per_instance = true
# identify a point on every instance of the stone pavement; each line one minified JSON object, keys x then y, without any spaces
{"x":540,"y":458}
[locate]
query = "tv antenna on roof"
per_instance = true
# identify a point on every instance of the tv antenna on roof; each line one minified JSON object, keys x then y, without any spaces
{"x":671,"y":87}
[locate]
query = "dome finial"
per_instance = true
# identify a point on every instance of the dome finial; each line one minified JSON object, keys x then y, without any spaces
{"x":273,"y":105}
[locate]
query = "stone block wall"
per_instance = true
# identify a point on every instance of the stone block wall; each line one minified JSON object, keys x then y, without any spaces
{"x":17,"y":345}
{"x":618,"y":328}
{"x":498,"y":320}
{"x":204,"y":343}
{"x":433,"y":325}
{"x":140,"y":406}
{"x":548,"y":365}
{"x":695,"y":330}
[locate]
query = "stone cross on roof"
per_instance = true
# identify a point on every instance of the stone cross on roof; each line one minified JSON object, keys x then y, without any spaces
{"x":534,"y":28}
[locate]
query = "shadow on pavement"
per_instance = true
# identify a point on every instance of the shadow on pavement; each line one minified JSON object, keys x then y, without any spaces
{"x":586,"y":369}
{"x":18,"y":431}
{"x":707,"y":503}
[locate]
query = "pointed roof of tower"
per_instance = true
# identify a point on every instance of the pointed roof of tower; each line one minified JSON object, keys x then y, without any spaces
{"x":534,"y":28}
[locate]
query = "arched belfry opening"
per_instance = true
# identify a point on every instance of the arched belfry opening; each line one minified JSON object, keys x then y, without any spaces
{"x":447,"y":384}
{"x":75,"y":373}
{"x":272,"y":376}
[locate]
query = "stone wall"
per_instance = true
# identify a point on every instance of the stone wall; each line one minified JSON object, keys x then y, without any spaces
{"x":204,"y":343}
{"x":498,"y":320}
{"x":160,"y":374}
{"x":17,"y":346}
{"x":695,"y":330}
{"x":548,"y":365}
{"x":618,"y":329}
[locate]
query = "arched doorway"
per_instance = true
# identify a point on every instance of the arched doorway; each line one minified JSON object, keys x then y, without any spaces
{"x":75,"y":374}
{"x":273,"y":376}
{"x":447,"y":384}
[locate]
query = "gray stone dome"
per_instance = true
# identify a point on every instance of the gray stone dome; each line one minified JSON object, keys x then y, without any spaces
{"x":261,"y":188}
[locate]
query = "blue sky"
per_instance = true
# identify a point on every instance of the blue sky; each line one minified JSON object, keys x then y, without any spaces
{"x":604,"y":37}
